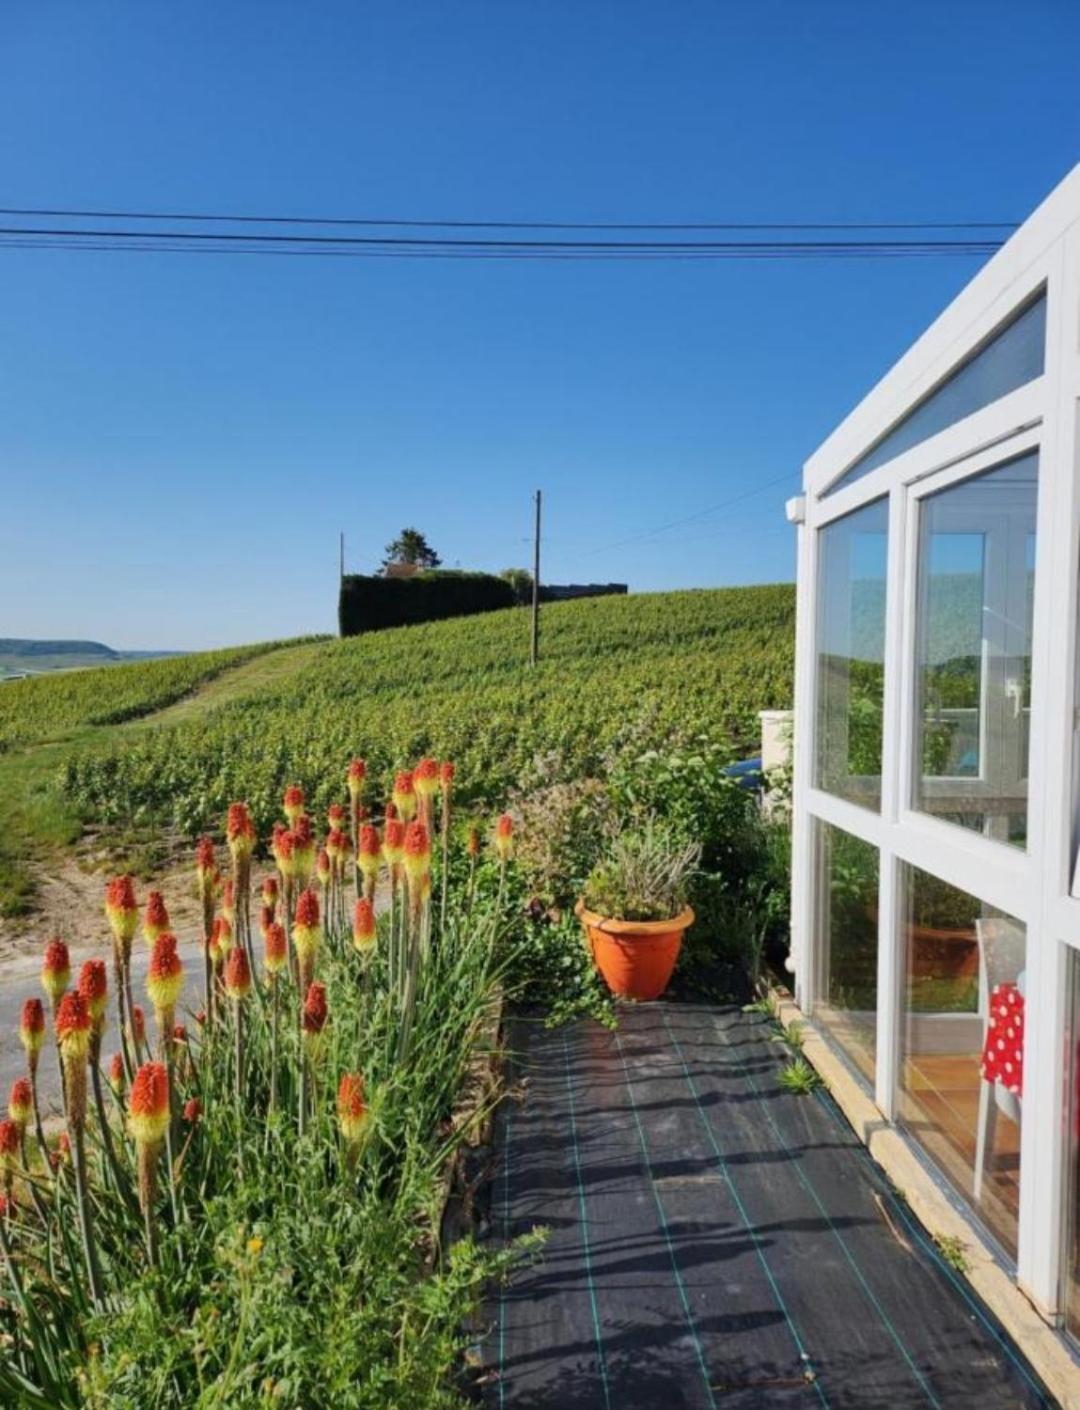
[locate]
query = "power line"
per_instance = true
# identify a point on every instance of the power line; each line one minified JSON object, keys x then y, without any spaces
{"x":218,"y":217}
{"x":443,"y":246}
{"x":697,"y":515}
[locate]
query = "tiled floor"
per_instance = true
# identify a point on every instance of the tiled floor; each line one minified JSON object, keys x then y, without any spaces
{"x":714,"y":1241}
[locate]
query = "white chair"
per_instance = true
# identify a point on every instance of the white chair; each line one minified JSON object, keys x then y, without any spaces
{"x":1001,"y":961}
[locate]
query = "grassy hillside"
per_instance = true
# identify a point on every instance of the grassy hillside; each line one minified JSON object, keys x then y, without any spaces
{"x":46,"y":706}
{"x":615,"y":672}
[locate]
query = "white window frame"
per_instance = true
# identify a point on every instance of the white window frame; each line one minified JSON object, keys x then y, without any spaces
{"x":1033,"y":884}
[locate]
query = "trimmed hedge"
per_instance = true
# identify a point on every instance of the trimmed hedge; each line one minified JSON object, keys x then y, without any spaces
{"x":369,"y":604}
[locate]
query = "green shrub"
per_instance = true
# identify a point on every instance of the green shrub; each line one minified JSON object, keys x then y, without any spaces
{"x":368,"y":604}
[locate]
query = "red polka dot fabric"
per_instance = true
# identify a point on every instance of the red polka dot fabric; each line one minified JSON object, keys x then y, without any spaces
{"x":1003,"y":1049}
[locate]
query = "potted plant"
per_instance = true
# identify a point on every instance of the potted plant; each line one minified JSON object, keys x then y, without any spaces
{"x":634,"y":910}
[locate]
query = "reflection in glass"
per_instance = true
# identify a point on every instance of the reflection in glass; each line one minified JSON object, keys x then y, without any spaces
{"x":1015,"y":355}
{"x":847,"y":934}
{"x":976,"y":588}
{"x":851,"y":654}
{"x":962,"y":1044}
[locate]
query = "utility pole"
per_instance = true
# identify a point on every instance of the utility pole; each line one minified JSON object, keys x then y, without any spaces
{"x":534,"y":654}
{"x":341,"y":557}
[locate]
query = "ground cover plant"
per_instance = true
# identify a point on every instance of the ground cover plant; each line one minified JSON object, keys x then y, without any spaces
{"x":242,"y":1206}
{"x":616,"y":674}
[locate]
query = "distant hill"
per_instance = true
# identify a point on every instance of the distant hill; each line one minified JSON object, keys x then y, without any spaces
{"x":27,"y":656}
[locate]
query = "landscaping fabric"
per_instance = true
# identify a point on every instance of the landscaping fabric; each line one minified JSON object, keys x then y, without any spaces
{"x":714,"y":1240}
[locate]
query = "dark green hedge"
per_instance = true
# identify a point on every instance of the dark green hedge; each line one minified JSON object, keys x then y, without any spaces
{"x":368,"y":604}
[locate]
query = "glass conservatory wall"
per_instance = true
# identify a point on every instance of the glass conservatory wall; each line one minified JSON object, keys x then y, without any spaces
{"x":847,"y":888}
{"x":851,"y":654}
{"x":962,"y":1042}
{"x":976,"y":587}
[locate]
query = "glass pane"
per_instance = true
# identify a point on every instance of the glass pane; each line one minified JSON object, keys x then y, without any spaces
{"x":1072,"y":1188}
{"x":962,"y":1068}
{"x":976,"y":588}
{"x":851,"y":654}
{"x":847,"y":934}
{"x":1012,"y":357}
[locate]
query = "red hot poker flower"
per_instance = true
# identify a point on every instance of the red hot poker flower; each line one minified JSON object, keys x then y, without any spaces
{"x":275,"y":954}
{"x":205,"y":863}
{"x":237,"y":974}
{"x":155,"y":917}
{"x":426,"y":778}
{"x":32,"y":1026}
{"x":240,"y":830}
{"x":148,"y":1104}
{"x":269,"y":891}
{"x":404,"y":795}
{"x":364,"y":930}
{"x":165,"y":977}
{"x":473,"y":844}
{"x":73,"y":1025}
{"x":138,"y":1024}
{"x":55,"y":970}
{"x":446,"y":774}
{"x":315,"y":1011}
{"x":417,"y":851}
{"x":10,"y":1140}
{"x":336,"y":817}
{"x":367,"y":852}
{"x":116,"y":1073}
{"x":121,"y":908}
{"x":94,"y":987}
{"x":21,"y":1103}
{"x":393,"y":841}
{"x":355,"y":776}
{"x":322,"y":866}
{"x":293,"y":802}
{"x":352,"y":1107}
{"x":504,"y":837}
{"x":192,"y":1110}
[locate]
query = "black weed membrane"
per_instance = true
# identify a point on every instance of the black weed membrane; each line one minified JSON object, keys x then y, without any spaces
{"x":714,"y":1240}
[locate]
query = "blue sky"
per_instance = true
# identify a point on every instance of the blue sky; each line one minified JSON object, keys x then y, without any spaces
{"x":181,"y":437}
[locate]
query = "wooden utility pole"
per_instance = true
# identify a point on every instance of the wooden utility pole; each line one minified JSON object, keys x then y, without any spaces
{"x":341,"y":557}
{"x":534,"y":654}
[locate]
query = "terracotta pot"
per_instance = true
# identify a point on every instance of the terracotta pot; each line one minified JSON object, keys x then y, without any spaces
{"x":636,"y":957}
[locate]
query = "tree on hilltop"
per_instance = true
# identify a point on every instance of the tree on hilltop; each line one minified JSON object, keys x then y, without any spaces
{"x":411,"y":547}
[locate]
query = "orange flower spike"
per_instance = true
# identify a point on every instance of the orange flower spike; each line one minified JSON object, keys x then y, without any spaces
{"x":55,"y":970}
{"x":192,"y":1111}
{"x":355,"y":778}
{"x":155,"y":918}
{"x":148,"y":1105}
{"x":313,"y":1021}
{"x":275,"y":953}
{"x":205,"y":864}
{"x":307,"y":931}
{"x":94,"y":988}
{"x":266,"y":919}
{"x":165,"y":978}
{"x":21,"y":1103}
{"x":446,"y":775}
{"x":73,"y":1031}
{"x":390,"y":811}
{"x":337,"y":845}
{"x":365,"y":934}
{"x":116,"y":1074}
{"x":237,"y":974}
{"x":228,"y":902}
{"x":404,"y":796}
{"x":138,"y":1024}
{"x":270,"y":891}
{"x":336,"y":818}
{"x":293,"y":802}
{"x":10,"y":1142}
{"x":121,"y":909}
{"x":221,"y":941}
{"x":472,"y":846}
{"x":322,"y":867}
{"x":240,"y":830}
{"x":504,"y":837}
{"x":367,"y":852}
{"x":32,"y":1029}
{"x":352,"y":1108}
{"x":417,"y":852}
{"x":426,"y":779}
{"x":393,"y":844}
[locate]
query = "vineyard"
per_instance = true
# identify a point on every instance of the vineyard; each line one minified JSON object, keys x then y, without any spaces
{"x":45,"y":706}
{"x":615,"y":673}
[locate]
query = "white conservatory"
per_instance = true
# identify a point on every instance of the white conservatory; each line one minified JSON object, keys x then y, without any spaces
{"x":936,"y":892}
